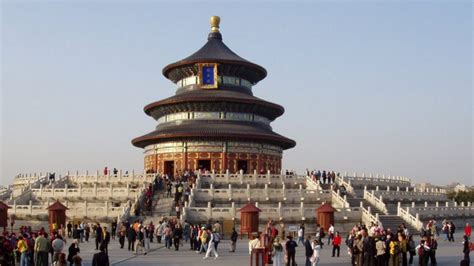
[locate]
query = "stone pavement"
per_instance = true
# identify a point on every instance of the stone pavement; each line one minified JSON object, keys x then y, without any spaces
{"x":448,"y":254}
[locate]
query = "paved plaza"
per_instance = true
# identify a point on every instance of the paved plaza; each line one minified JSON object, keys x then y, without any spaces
{"x":448,"y":254}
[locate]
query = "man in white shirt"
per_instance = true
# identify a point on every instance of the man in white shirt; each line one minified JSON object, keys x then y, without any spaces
{"x":254,"y":243}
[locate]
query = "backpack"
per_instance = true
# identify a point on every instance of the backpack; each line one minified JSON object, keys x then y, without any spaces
{"x":421,"y":251}
{"x":471,"y":246}
{"x":216,"y":237}
{"x":396,"y":248}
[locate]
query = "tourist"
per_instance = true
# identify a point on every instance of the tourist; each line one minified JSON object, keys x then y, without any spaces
{"x":467,"y":231}
{"x":233,"y":240}
{"x":41,"y":249}
{"x":446,"y":231}
{"x":22,"y":248}
{"x":433,"y":245}
{"x":452,"y":230}
{"x":101,"y":258}
{"x":422,"y":251}
{"x":411,"y":249}
{"x":204,"y":239}
{"x":61,"y":261}
{"x":320,"y":234}
{"x":167,"y":233}
{"x":122,"y":231}
{"x":140,"y":241}
{"x":151,"y":230}
{"x":277,"y":252}
{"x":254,"y":242}
{"x":211,"y":248}
{"x":57,"y":247}
{"x":330,"y":233}
{"x":98,"y":236}
{"x":466,"y":250}
{"x":177,"y":236}
{"x":113,"y":228}
{"x":87,"y":232}
{"x":380,"y":251}
{"x":308,"y":250}
{"x":301,"y":234}
{"x":159,"y":231}
{"x":75,"y":233}
{"x":402,"y":240}
{"x":131,"y":238}
{"x":106,"y":171}
{"x":186,"y":231}
{"x":316,"y":253}
{"x":69,"y":229}
{"x":73,"y":251}
{"x":106,"y":239}
{"x":216,"y":238}
{"x":394,"y":252}
{"x":336,"y":244}
{"x":358,"y":250}
{"x":290,"y":247}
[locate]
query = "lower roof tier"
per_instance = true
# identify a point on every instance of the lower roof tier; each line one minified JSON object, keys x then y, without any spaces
{"x":214,"y":130}
{"x":214,"y":100}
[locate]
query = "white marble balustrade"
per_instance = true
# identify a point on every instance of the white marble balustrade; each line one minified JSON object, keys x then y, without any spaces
{"x":121,"y":192}
{"x":77,"y":209}
{"x":375,"y":201}
{"x":392,"y":195}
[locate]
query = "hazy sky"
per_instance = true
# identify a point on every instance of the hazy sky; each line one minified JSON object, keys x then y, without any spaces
{"x":367,"y":87}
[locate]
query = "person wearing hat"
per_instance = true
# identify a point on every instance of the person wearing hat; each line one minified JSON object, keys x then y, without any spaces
{"x":204,"y":240}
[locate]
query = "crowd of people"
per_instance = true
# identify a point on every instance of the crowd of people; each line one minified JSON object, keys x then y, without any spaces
{"x":324,"y":177}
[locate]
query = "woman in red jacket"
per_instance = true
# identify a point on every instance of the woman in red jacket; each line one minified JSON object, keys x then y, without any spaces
{"x":467,"y":231}
{"x":336,"y":244}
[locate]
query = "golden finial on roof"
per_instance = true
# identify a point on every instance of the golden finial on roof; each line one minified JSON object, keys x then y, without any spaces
{"x":215,"y":20}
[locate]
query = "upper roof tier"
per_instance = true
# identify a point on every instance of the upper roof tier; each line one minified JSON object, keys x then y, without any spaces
{"x":215,"y":51}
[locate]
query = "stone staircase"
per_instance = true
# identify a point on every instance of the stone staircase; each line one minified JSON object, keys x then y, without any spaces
{"x":393,"y":221}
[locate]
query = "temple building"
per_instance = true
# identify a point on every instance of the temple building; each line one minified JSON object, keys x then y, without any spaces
{"x":213,"y":121}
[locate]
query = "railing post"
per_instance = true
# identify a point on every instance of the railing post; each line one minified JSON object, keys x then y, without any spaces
{"x":85,"y":208}
{"x":248,"y":192}
{"x":211,"y":191}
{"x":426,"y":204}
{"x":266,"y":192}
{"x":279,"y":210}
{"x":399,"y":205}
{"x":230,"y":192}
{"x":413,"y":204}
{"x":241,"y":176}
{"x":227,"y":175}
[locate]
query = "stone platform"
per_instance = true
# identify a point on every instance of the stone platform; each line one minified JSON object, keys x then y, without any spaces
{"x":448,"y":254}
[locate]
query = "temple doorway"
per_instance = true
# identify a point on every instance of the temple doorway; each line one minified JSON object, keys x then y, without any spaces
{"x":169,"y":168}
{"x":204,"y":165}
{"x":242,"y":165}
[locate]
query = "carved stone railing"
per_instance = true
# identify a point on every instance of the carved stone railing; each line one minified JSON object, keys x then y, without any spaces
{"x":410,"y":219}
{"x":347,"y":184}
{"x":77,"y":209}
{"x":375,"y":201}
{"x":339,"y":201}
{"x":368,"y":217}
{"x":391,"y":195}
{"x":122,"y":192}
{"x":377,"y":177}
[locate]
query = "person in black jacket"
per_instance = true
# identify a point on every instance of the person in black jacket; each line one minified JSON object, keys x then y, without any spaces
{"x":98,"y":236}
{"x":233,"y":238}
{"x":466,"y":251}
{"x":106,"y":239}
{"x":177,"y":235}
{"x":73,"y":250}
{"x":101,"y":258}
{"x":75,"y":233}
{"x":290,"y":246}
{"x":131,"y":237}
{"x":308,"y":249}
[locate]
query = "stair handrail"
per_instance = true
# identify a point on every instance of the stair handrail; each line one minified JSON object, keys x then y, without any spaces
{"x":338,"y":199}
{"x":347,"y":184}
{"x":409,"y":218}
{"x":377,"y":202}
{"x":368,"y":217}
